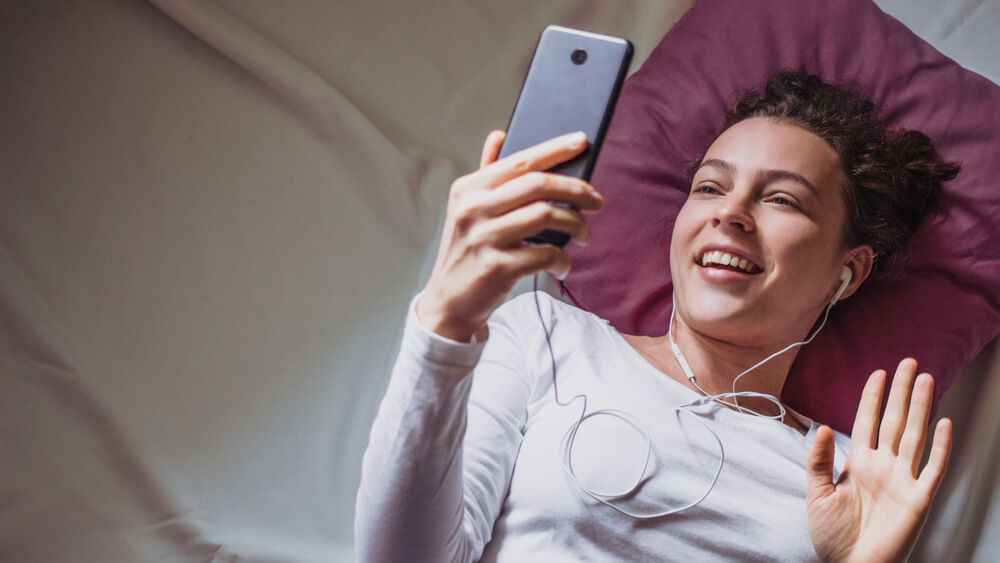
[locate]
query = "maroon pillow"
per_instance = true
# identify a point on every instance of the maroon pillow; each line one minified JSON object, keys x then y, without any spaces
{"x":941,"y":301}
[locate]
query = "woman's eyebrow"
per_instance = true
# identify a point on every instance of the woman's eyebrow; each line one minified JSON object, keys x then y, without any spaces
{"x":786,"y":175}
{"x":718,"y":163}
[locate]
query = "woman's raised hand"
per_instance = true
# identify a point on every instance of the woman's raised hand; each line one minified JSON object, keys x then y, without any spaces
{"x":876,"y":509}
{"x":489,"y":212}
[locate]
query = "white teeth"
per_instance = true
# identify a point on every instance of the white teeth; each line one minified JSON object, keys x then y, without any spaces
{"x":726,"y":259}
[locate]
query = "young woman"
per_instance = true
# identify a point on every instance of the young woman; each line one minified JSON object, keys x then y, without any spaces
{"x":489,"y":444}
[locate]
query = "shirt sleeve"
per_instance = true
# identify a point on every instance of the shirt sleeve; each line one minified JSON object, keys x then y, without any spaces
{"x":442,"y":447}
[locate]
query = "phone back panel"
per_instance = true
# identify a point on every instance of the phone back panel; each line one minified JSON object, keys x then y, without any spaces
{"x":562,"y":95}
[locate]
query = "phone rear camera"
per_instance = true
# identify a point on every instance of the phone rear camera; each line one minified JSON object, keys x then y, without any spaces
{"x":578,"y":56}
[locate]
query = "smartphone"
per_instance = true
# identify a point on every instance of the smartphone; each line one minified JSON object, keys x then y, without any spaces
{"x":572,"y":85}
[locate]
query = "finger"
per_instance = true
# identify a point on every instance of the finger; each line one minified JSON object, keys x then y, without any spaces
{"x":911,"y":445}
{"x":534,"y":159}
{"x":865,"y":431}
{"x":542,"y":186}
{"x":894,"y":419}
{"x":509,"y":229}
{"x":532,"y":259}
{"x":491,"y":148}
{"x":931,"y":476}
{"x":819,"y":465}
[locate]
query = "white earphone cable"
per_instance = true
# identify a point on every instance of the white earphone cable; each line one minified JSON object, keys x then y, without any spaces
{"x":569,"y":438}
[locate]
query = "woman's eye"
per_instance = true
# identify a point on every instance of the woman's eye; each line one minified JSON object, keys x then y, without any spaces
{"x":783,"y":201}
{"x":706,"y":189}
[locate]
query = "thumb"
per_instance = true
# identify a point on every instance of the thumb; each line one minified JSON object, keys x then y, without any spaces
{"x":491,"y":148}
{"x":819,"y":465}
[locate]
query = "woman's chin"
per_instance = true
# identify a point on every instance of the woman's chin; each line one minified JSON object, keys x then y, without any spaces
{"x":727,"y":319}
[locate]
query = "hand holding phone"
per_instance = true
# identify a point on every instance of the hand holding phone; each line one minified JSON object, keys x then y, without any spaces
{"x":571,"y":86}
{"x":490,"y":211}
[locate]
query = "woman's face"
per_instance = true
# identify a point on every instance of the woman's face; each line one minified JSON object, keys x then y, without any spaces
{"x":757,"y":249}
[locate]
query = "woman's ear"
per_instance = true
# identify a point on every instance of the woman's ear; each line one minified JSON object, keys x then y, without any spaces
{"x":860,"y":262}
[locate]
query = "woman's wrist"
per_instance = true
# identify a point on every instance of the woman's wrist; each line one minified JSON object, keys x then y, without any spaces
{"x":434,"y":320}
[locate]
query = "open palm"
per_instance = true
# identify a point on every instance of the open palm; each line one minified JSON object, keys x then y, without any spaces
{"x":875,"y":510}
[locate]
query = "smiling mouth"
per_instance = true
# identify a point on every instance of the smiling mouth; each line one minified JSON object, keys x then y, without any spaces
{"x":729,"y":261}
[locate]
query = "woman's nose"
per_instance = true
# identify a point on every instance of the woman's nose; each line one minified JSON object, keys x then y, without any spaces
{"x":735,"y":211}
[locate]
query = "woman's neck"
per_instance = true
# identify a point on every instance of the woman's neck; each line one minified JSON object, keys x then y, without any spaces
{"x":716,"y":365}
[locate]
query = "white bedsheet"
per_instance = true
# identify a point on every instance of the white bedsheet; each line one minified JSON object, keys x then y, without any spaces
{"x":212,"y":217}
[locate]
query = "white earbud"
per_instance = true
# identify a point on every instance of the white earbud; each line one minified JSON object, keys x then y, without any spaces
{"x":845,"y":279}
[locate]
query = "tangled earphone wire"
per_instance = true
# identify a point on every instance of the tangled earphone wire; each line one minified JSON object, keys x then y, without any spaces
{"x":569,"y":438}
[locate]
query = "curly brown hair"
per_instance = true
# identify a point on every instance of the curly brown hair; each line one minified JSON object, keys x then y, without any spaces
{"x":893,"y":176}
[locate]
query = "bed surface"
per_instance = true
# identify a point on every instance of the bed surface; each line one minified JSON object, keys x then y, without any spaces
{"x":212,"y":218}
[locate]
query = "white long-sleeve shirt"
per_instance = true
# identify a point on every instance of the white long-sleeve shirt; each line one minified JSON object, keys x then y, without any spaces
{"x":466,"y":460}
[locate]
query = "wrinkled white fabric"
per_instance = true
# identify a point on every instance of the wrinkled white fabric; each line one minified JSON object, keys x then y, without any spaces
{"x":212,"y":217}
{"x":466,"y":453}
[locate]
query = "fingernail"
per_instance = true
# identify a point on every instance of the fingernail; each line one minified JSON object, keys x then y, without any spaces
{"x":594,"y":192}
{"x":576,"y":140}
